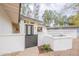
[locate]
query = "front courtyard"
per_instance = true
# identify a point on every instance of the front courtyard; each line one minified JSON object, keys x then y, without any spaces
{"x":33,"y":51}
{"x":23,"y":35}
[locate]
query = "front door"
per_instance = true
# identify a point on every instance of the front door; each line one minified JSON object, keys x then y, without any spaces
{"x":30,"y":38}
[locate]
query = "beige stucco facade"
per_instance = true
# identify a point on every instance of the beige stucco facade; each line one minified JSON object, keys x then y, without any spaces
{"x":9,"y":13}
{"x":12,"y":11}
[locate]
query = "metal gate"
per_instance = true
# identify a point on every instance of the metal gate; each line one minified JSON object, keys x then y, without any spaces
{"x":30,"y":38}
{"x":31,"y":41}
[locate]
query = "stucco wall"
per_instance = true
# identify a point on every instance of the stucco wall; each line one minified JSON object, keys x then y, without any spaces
{"x":5,"y":23}
{"x":61,"y":43}
{"x":68,"y":31}
{"x":56,"y":41}
{"x":11,"y":43}
{"x":5,"y":26}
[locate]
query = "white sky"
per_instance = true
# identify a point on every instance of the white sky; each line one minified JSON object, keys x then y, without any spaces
{"x":54,"y":6}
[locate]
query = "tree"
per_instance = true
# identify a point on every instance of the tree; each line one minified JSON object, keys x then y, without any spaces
{"x":23,"y":9}
{"x":59,"y":19}
{"x":74,"y":20}
{"x":36,"y":10}
{"x":73,"y":6}
{"x":47,"y":17}
{"x":52,"y":15}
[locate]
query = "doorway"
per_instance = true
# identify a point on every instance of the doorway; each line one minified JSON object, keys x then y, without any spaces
{"x":30,"y":37}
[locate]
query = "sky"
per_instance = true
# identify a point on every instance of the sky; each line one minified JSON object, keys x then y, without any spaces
{"x":58,"y":7}
{"x":53,"y":6}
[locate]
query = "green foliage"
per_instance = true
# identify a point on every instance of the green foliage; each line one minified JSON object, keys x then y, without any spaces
{"x":50,"y":15}
{"x":46,"y":47}
{"x":61,"y":22}
{"x":74,"y":20}
{"x":47,"y":17}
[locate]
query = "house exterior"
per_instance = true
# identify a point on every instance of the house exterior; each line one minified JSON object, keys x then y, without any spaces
{"x":36,"y":24}
{"x":13,"y":29}
{"x":11,"y":38}
{"x":10,"y":13}
{"x":18,"y":32}
{"x":32,"y":27}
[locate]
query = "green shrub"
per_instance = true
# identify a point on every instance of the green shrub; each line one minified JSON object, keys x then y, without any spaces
{"x":46,"y":47}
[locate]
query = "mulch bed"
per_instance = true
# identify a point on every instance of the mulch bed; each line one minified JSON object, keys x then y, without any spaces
{"x":42,"y":50}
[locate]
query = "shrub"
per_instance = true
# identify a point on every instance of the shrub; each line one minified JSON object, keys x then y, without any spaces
{"x":46,"y":47}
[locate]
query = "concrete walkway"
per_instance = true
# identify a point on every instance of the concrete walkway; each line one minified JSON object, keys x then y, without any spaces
{"x":33,"y":51}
